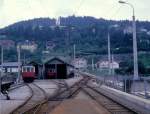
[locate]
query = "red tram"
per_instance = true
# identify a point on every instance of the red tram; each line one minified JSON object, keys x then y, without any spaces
{"x":28,"y":73}
{"x":51,"y":74}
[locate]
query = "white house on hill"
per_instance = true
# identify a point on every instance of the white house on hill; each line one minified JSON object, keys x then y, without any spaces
{"x":105,"y":64}
{"x":28,"y":45}
{"x":80,"y":63}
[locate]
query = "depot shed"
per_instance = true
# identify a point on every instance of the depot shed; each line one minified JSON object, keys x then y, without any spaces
{"x":56,"y":68}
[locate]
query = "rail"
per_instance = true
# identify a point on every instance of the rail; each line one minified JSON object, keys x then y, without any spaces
{"x":34,"y":102}
{"x":137,"y":104}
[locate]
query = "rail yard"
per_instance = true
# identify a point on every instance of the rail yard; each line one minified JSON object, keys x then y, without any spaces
{"x":66,"y":96}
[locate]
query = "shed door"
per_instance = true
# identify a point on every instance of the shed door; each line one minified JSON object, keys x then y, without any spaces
{"x":61,"y":71}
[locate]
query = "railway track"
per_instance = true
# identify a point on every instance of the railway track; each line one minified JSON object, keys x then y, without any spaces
{"x":34,"y":102}
{"x":16,"y":86}
{"x":39,"y":103}
{"x":64,"y":92}
{"x":112,"y":106}
{"x":38,"y":100}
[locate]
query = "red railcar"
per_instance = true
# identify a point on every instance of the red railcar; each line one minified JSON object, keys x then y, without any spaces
{"x":28,"y":73}
{"x":51,"y":73}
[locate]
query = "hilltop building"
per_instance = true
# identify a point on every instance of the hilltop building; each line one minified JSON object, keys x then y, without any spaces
{"x":105,"y":65}
{"x":28,"y":45}
{"x":80,"y":63}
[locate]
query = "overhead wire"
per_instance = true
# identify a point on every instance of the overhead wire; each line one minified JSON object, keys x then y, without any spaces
{"x":77,"y":9}
{"x":115,"y":13}
{"x":29,"y":5}
{"x":118,"y":10}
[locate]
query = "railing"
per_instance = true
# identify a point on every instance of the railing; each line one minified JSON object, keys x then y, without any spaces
{"x":140,"y":87}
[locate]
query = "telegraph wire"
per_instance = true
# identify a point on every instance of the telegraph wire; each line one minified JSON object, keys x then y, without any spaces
{"x":115,"y":13}
{"x":77,"y":9}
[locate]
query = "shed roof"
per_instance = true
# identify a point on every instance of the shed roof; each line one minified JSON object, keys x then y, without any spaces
{"x":58,"y":60}
{"x":35,"y":63}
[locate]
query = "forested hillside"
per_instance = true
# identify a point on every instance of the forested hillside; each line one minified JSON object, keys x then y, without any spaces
{"x":82,"y":31}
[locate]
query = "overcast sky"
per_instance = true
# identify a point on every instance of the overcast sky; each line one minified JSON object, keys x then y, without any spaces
{"x":16,"y":10}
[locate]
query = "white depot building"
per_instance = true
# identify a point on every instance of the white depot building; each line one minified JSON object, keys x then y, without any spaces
{"x":10,"y":67}
{"x":80,"y":63}
{"x":105,"y":64}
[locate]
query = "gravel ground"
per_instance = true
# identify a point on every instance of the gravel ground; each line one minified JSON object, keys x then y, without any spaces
{"x":71,"y":81}
{"x":79,"y":106}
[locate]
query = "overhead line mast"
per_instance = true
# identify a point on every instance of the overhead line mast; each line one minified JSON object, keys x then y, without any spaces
{"x":1,"y":67}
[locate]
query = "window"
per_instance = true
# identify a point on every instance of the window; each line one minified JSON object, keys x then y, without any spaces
{"x":24,"y":69}
{"x":32,"y":69}
{"x":28,"y":69}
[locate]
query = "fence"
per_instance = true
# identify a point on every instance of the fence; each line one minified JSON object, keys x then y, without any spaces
{"x":140,"y":87}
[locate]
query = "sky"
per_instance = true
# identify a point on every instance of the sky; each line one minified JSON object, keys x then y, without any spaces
{"x":12,"y":11}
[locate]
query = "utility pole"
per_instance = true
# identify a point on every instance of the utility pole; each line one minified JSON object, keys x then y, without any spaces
{"x":112,"y":64}
{"x":92,"y":64}
{"x":135,"y":53}
{"x":109,"y":54}
{"x":74,"y":57}
{"x":19,"y":63}
{"x":74,"y":52}
{"x":24,"y":59}
{"x":68,"y":39}
{"x":1,"y":67}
